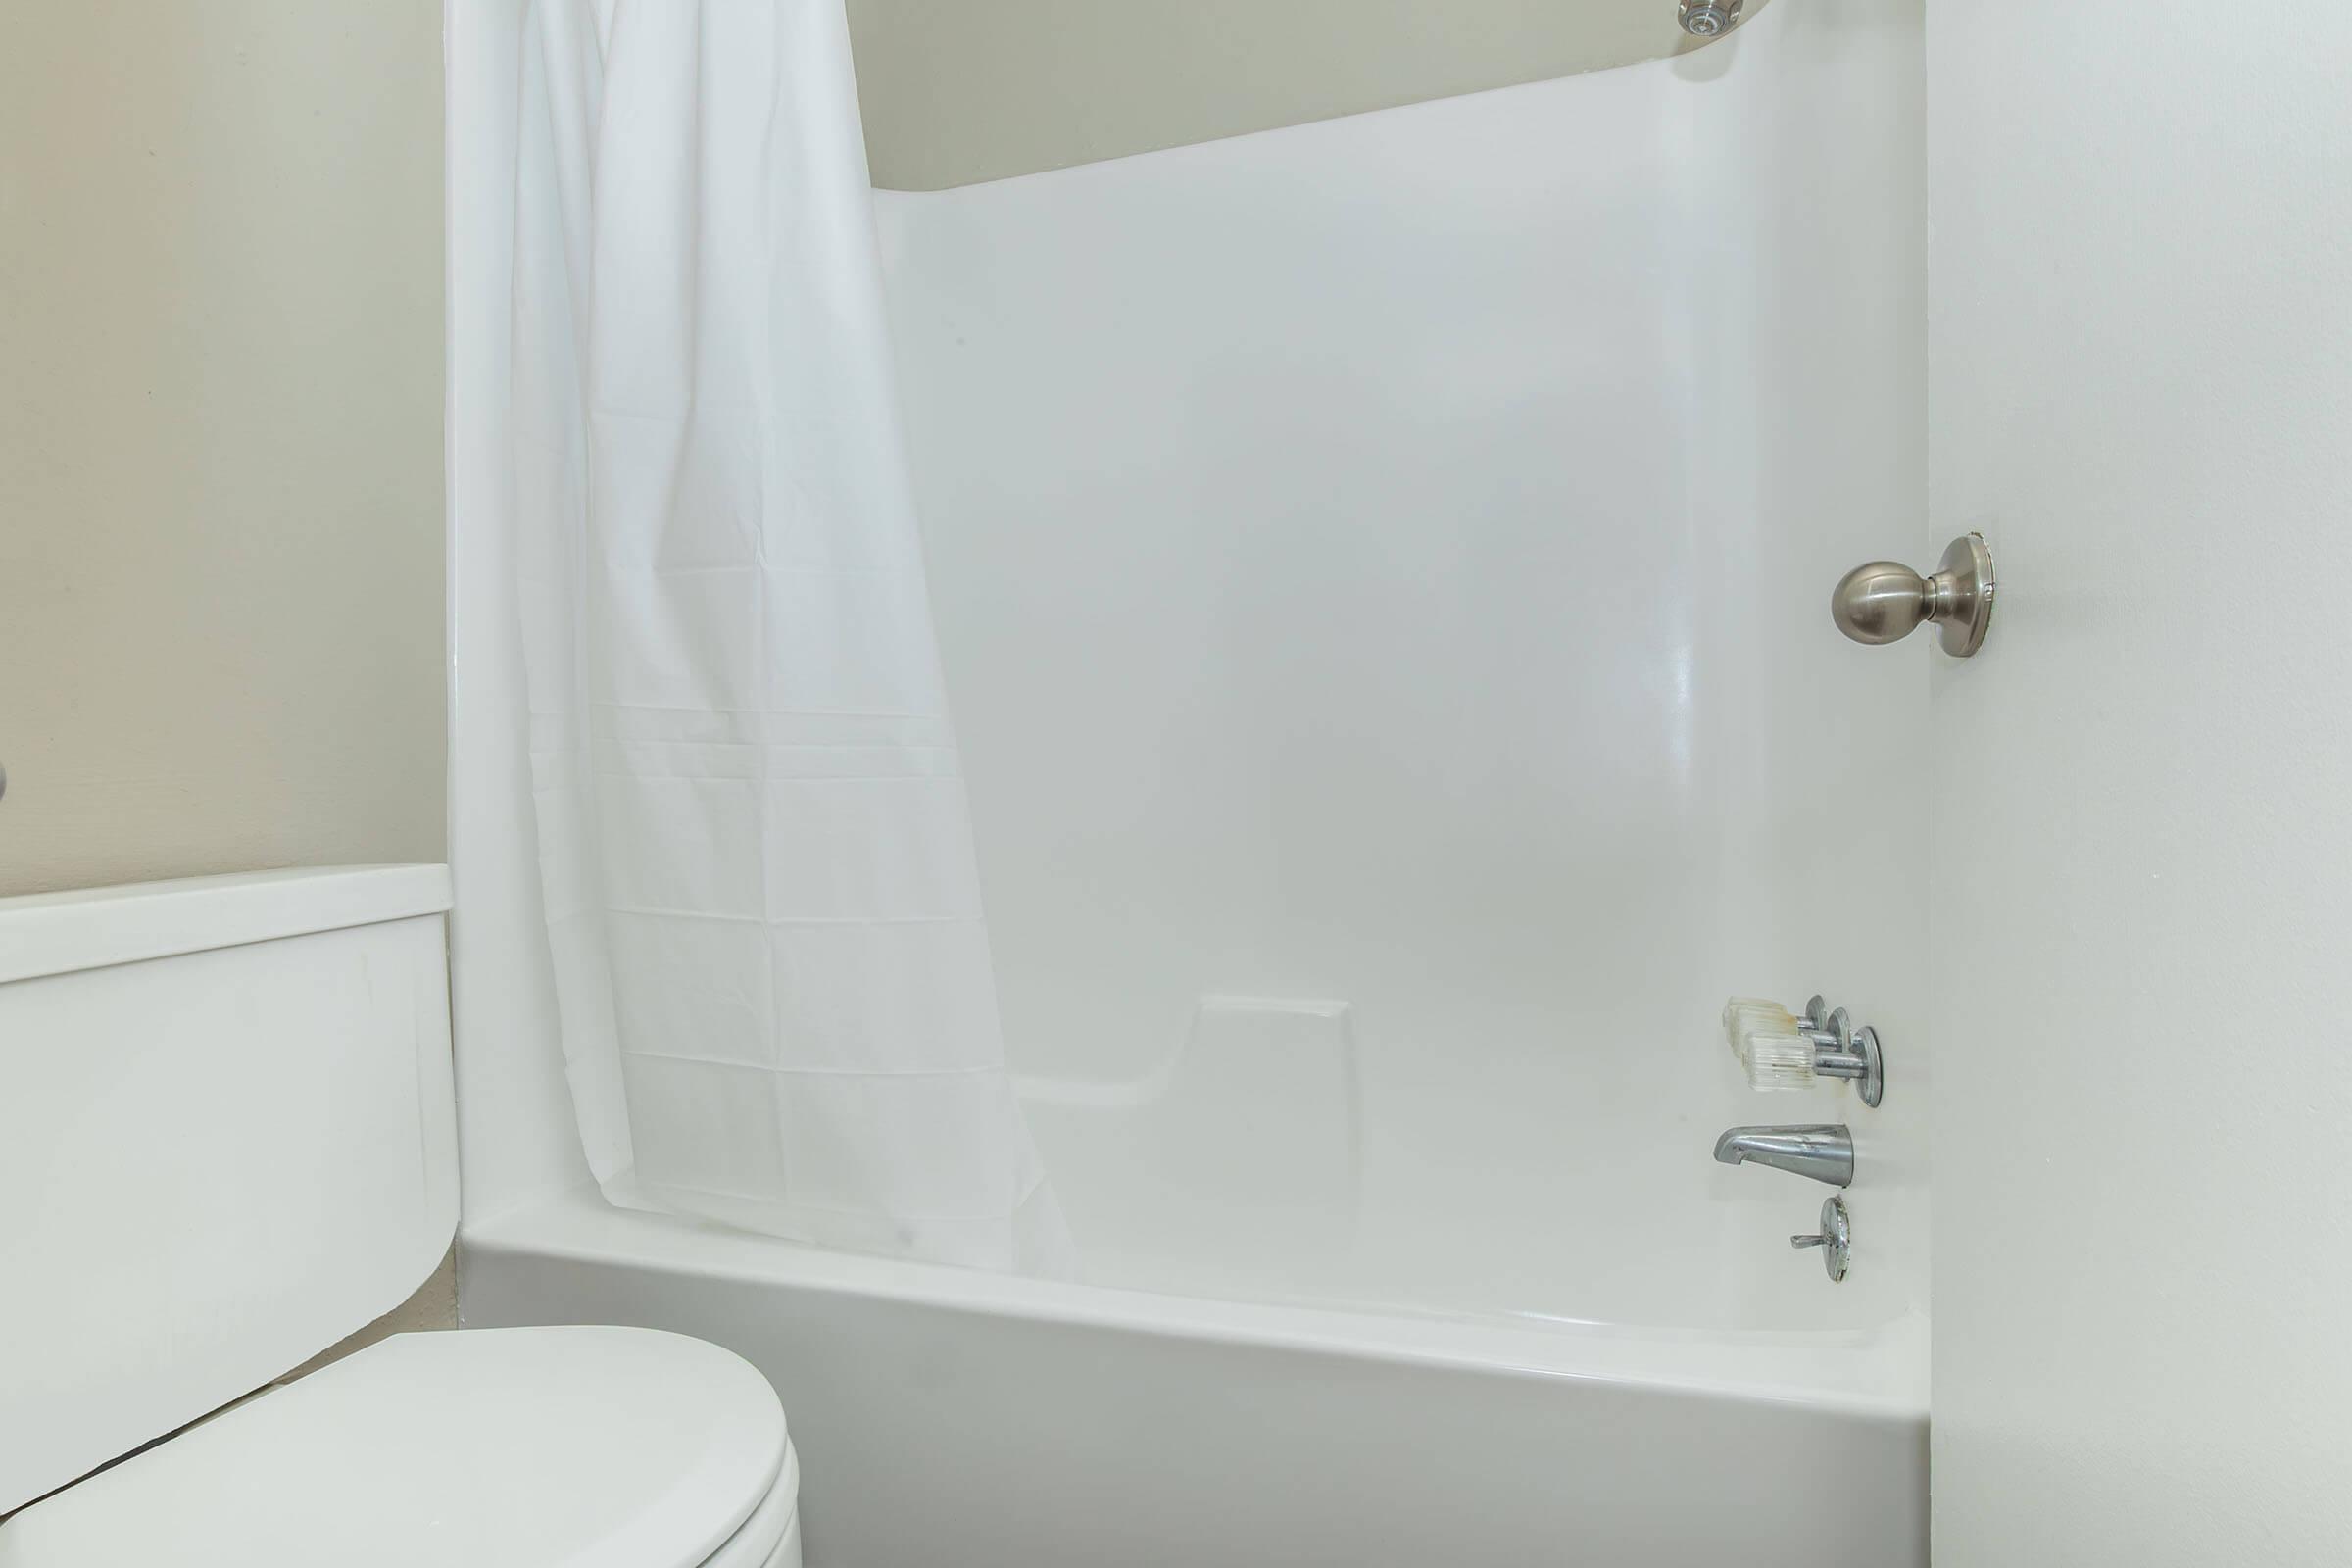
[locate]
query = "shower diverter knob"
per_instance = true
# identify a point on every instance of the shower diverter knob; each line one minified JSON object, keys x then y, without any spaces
{"x":1836,"y":1240}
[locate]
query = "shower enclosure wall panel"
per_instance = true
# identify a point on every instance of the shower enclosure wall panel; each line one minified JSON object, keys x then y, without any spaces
{"x":1381,"y":569}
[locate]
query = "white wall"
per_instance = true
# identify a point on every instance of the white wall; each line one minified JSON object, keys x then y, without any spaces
{"x":1386,"y":562}
{"x":2141,"y":333}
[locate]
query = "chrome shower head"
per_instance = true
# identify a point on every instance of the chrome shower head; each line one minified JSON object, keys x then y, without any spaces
{"x":1708,"y":18}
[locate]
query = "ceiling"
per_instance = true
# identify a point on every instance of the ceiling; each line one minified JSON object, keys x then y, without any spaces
{"x":956,"y":91}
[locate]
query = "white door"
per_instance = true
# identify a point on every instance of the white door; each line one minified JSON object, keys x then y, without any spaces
{"x":2140,"y":390}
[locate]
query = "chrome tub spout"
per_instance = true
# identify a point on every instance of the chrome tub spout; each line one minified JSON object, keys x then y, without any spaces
{"x":1825,"y":1153}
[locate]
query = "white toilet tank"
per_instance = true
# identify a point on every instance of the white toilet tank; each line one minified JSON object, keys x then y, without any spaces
{"x":228,"y":1138}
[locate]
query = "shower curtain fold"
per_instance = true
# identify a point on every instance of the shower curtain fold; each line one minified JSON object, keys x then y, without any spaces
{"x":761,"y":902}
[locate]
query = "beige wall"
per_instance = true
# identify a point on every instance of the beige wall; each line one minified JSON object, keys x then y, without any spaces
{"x":963,"y":90}
{"x":221,"y":494}
{"x":221,"y":538}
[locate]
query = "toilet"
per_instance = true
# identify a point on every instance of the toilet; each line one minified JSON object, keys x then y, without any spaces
{"x":227,"y":1140}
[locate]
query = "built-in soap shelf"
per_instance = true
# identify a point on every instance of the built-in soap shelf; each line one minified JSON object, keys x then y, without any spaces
{"x":1782,"y":1050}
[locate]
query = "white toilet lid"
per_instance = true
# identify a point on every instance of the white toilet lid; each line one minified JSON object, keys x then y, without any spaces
{"x":584,"y":1447}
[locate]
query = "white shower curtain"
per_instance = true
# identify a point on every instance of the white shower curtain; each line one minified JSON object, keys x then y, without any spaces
{"x":762,"y":907}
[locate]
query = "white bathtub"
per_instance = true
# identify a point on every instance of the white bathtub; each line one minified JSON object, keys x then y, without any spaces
{"x":951,"y":1418}
{"x":1379,"y":571}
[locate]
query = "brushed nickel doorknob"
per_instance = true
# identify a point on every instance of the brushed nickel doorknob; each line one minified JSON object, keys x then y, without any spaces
{"x":1885,"y":601}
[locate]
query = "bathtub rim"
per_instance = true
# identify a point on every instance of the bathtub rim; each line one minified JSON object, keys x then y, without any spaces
{"x":1876,"y":1374}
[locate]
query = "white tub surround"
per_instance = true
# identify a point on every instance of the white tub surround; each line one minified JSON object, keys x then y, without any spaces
{"x":1381,"y":570}
{"x":1433,"y":515}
